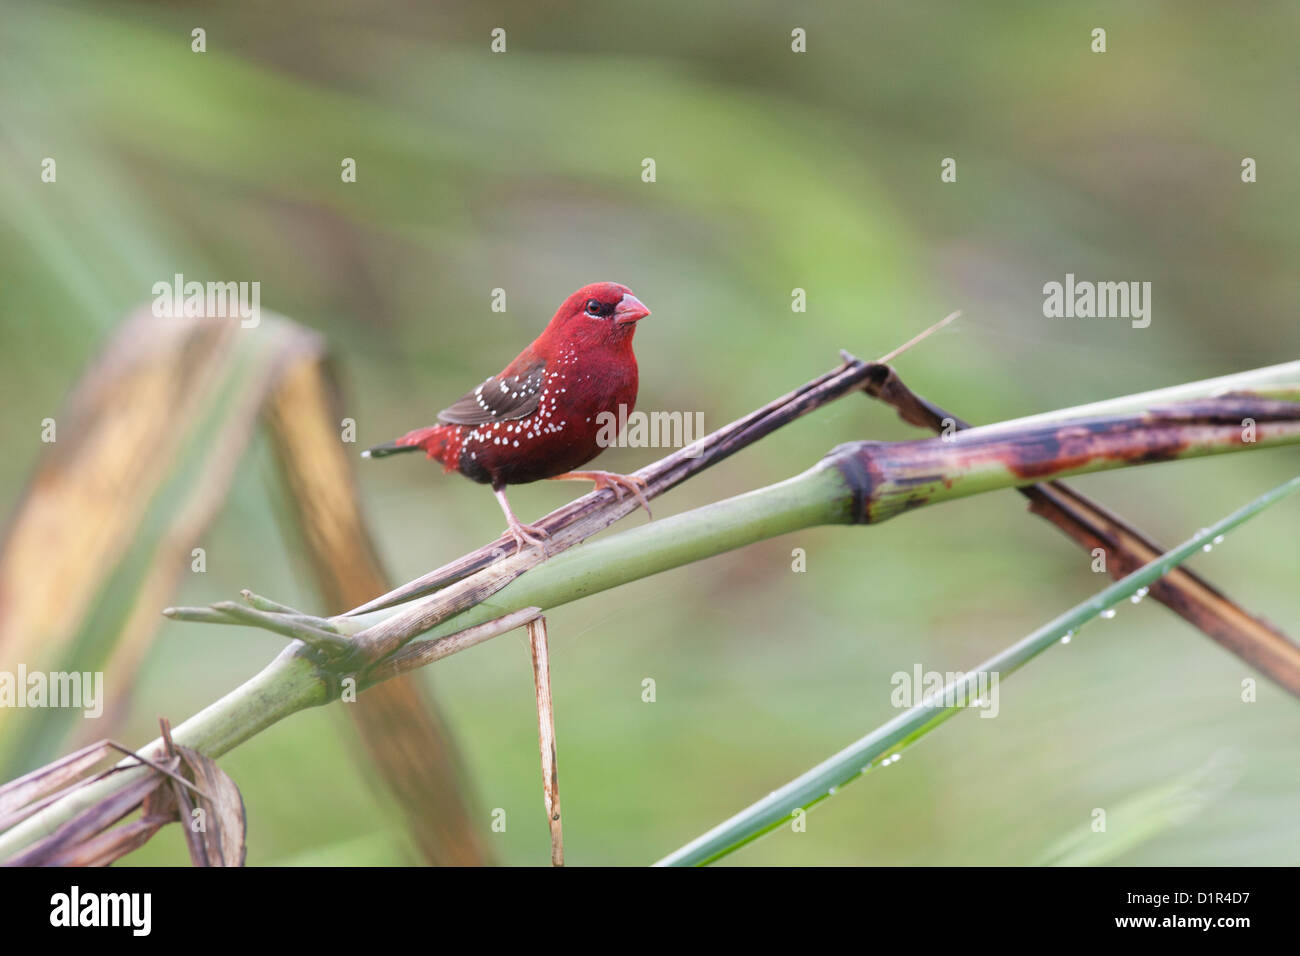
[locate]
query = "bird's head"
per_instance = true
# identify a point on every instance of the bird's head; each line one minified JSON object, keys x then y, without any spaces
{"x":603,"y":313}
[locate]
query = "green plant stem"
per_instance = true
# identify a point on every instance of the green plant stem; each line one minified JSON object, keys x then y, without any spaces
{"x":858,"y":482}
{"x":818,"y":496}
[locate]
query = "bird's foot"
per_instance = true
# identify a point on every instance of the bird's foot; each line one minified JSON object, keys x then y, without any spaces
{"x":526,"y":534}
{"x":615,"y":482}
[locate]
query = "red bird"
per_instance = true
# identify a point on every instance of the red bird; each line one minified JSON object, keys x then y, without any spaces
{"x":539,"y":417}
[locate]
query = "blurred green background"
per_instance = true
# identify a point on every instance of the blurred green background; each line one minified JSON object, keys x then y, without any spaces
{"x":775,"y":170}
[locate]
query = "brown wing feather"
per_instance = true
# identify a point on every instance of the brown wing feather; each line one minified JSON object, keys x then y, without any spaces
{"x":499,"y":399}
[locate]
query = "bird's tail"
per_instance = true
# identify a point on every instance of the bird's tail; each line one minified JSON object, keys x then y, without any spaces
{"x":386,"y":449}
{"x":432,"y":441}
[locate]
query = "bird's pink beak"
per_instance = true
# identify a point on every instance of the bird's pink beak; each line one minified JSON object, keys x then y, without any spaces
{"x":629,"y":309}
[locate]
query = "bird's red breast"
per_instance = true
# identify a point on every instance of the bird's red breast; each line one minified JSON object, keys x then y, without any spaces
{"x":540,"y":416}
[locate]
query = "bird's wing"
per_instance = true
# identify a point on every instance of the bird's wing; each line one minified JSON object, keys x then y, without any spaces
{"x":502,"y":398}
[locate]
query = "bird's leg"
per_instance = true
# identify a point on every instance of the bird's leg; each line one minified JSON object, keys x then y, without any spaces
{"x":608,"y":479}
{"x":524,"y":534}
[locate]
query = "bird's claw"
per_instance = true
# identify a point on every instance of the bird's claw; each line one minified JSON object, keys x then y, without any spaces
{"x":526,"y":534}
{"x":621,"y":483}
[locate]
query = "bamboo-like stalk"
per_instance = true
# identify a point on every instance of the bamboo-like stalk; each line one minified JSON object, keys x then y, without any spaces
{"x":590,"y":513}
{"x":899,"y":476}
{"x":859,"y":482}
{"x":863,"y":482}
{"x":1091,"y":525}
{"x":1271,"y":381}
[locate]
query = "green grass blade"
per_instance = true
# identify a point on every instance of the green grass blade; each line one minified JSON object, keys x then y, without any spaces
{"x":887,"y":740}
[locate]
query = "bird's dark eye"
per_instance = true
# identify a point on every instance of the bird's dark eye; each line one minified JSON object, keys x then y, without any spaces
{"x":595,"y":308}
